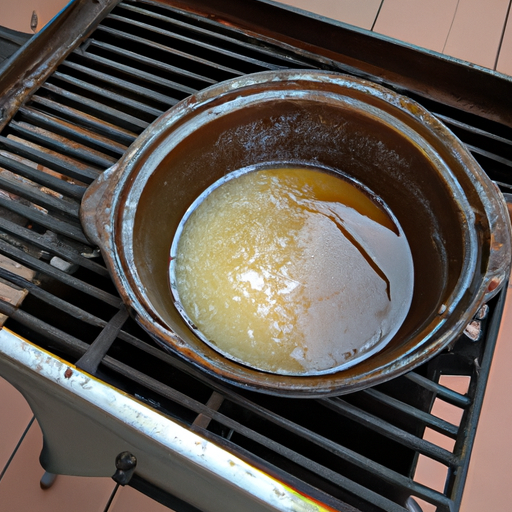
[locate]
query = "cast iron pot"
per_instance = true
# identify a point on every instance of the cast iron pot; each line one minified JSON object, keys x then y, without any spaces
{"x":454,"y":218}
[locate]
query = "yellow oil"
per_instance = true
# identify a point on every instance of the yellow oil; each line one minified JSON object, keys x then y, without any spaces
{"x":293,"y":271}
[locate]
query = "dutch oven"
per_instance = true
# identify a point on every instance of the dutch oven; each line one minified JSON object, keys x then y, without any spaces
{"x":454,"y":217}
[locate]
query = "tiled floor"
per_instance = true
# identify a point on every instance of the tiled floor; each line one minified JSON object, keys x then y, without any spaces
{"x":20,"y":472}
{"x":474,"y":30}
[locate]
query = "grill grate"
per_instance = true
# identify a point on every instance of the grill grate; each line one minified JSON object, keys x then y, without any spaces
{"x":357,"y":451}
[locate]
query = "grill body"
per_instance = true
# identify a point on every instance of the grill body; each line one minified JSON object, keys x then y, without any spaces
{"x":73,"y":99}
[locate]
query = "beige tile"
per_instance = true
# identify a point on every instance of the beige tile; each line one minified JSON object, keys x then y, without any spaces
{"x":447,"y":412}
{"x":422,"y":23}
{"x":444,"y":410}
{"x":20,"y":490}
{"x":430,"y":473}
{"x":488,"y":484}
{"x":15,"y":415}
{"x":447,"y":443}
{"x":505,"y":55}
{"x":19,"y":18}
{"x":458,"y":383}
{"x":476,"y":31}
{"x":130,"y":500}
{"x":425,"y":507}
{"x":361,"y":13}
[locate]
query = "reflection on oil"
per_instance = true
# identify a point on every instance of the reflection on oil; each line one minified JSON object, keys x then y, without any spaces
{"x":293,"y":270}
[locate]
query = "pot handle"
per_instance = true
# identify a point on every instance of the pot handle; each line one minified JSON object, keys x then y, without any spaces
{"x":500,"y":258}
{"x":95,"y":208}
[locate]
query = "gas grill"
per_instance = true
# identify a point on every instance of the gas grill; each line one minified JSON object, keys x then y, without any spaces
{"x":108,"y":399}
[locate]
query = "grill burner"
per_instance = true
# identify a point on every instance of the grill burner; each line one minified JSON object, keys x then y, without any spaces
{"x":358,"y":452}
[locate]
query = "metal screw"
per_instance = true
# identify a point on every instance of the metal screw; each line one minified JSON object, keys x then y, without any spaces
{"x":473,"y":330}
{"x":34,"y":20}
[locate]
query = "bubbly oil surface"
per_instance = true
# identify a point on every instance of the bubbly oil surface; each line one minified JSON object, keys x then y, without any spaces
{"x":293,"y":271}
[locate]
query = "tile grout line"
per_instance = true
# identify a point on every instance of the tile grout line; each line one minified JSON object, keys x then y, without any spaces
{"x":502,"y":35}
{"x":451,"y":25}
{"x":15,"y":451}
{"x":112,"y":495}
{"x":377,"y":15}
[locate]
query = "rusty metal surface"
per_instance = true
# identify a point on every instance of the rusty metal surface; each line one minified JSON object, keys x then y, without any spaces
{"x":367,"y":54}
{"x":350,"y":49}
{"x":26,"y":70}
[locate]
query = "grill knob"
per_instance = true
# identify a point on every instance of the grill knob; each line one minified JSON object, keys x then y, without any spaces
{"x":125,"y":465}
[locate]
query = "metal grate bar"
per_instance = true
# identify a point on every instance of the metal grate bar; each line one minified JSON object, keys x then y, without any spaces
{"x":90,"y":361}
{"x":390,"y":431}
{"x":485,"y":135}
{"x":135,"y":108}
{"x":114,"y":133}
{"x":55,"y":163}
{"x":207,"y":29}
{"x":214,"y":402}
{"x":77,"y":284}
{"x":50,"y":242}
{"x":35,"y":195}
{"x":198,"y":64}
{"x":53,"y":142}
{"x":101,"y":110}
{"x":346,"y":454}
{"x":236,"y":48}
{"x":441,"y":392}
{"x":53,"y":300}
{"x":134,"y":73}
{"x":199,"y":408}
{"x":437,"y":424}
{"x":43,"y":178}
{"x":71,"y":132}
{"x":138,"y":59}
{"x":62,"y":227}
{"x":187,"y":46}
{"x":63,"y":340}
{"x":127,"y":88}
{"x":174,"y":362}
{"x":491,"y":156}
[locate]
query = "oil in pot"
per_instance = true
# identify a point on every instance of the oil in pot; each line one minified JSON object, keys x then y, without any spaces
{"x":292,"y":270}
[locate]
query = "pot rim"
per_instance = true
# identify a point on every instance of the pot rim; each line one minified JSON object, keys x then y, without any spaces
{"x":123,"y":185}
